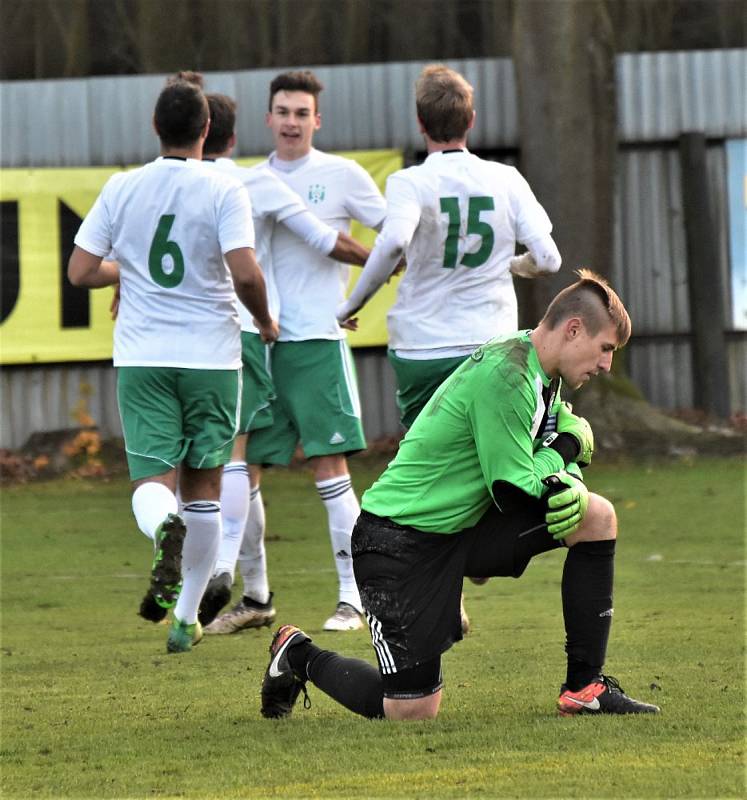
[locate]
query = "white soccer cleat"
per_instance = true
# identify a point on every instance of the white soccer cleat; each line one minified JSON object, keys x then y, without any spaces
{"x":241,"y":617}
{"x":345,"y":618}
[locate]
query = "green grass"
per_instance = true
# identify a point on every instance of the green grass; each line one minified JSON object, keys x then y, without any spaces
{"x":94,"y":707}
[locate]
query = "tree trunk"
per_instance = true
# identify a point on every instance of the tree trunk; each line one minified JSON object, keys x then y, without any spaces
{"x":564,"y":57}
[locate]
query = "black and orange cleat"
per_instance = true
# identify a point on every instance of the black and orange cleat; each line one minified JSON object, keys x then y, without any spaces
{"x":602,"y":696}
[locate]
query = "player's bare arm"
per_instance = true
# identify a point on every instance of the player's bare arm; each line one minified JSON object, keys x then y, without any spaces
{"x":249,"y":284}
{"x":349,"y":250}
{"x":90,"y":271}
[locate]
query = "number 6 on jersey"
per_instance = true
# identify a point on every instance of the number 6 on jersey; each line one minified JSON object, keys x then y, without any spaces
{"x":161,"y":247}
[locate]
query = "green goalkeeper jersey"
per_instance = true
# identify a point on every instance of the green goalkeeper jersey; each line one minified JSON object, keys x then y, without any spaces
{"x":479,"y":427}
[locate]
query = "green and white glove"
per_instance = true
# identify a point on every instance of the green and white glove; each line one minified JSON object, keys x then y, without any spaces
{"x":579,"y":428}
{"x":574,"y":470}
{"x":567,"y":503}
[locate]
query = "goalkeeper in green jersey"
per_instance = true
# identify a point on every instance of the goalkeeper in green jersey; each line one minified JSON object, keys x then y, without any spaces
{"x":477,"y":490}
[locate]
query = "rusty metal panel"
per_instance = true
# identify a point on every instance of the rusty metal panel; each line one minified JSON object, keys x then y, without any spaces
{"x":120,"y":119}
{"x":651,"y":266}
{"x":661,"y":95}
{"x":37,"y":399}
{"x":45,"y":398}
{"x":377,"y":386}
{"x":107,"y":121}
{"x":663,"y":372}
{"x":44,"y":123}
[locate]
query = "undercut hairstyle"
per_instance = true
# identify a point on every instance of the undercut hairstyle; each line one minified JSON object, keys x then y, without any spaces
{"x":222,"y":124}
{"x":444,"y":102}
{"x":594,"y":302}
{"x":181,"y":113}
{"x":297,"y":81}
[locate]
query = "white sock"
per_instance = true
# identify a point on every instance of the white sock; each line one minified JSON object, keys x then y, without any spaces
{"x":252,"y":558}
{"x":342,"y":510}
{"x":234,"y":506}
{"x":151,"y":503}
{"x":202,"y":518}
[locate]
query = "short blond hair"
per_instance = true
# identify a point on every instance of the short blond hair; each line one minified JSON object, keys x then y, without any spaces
{"x":443,"y":99}
{"x":592,"y":300}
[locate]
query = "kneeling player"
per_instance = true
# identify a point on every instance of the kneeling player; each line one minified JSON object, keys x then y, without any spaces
{"x":472,"y":492}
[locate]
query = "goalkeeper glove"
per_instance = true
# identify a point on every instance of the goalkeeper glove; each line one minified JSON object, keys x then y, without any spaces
{"x":567,"y":502}
{"x":581,"y":431}
{"x":574,"y":470}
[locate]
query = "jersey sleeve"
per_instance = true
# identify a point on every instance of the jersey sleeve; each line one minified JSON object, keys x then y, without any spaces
{"x":235,"y":226}
{"x":272,"y":197}
{"x":402,"y":218}
{"x":312,"y":230}
{"x":501,"y":415}
{"x":531,"y":219}
{"x":95,"y":233}
{"x":402,"y":201}
{"x":363,"y":200}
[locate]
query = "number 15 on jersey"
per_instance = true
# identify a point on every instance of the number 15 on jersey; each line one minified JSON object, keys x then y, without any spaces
{"x":475,"y":226}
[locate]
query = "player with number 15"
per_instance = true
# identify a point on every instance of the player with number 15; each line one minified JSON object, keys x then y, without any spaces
{"x":457,"y":218}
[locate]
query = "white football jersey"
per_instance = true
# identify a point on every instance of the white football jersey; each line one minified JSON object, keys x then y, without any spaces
{"x":272,"y":203}
{"x":469,"y":213}
{"x":168,"y":224}
{"x":311,"y":286}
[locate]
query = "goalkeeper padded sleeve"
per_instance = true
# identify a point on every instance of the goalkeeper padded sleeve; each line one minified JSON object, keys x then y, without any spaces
{"x":564,"y":443}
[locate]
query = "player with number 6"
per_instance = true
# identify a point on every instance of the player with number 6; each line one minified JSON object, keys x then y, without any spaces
{"x":183,"y":240}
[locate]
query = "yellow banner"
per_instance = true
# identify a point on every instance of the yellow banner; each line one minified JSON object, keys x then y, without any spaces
{"x":43,"y":318}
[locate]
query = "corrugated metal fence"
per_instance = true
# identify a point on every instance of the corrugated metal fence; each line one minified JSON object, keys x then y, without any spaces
{"x":106,"y":121}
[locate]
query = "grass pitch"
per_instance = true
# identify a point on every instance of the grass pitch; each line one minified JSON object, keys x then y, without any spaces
{"x":93,"y":707}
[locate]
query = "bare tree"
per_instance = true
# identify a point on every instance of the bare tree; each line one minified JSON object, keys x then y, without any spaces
{"x":564,"y":57}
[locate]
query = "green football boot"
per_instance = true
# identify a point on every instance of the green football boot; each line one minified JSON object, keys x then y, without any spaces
{"x":166,"y":572}
{"x":183,"y":637}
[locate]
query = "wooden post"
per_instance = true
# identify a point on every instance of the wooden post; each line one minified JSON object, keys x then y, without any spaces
{"x":706,"y":291}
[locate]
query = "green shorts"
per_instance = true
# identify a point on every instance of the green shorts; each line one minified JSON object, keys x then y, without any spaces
{"x":170,"y":415}
{"x":417,"y":381}
{"x":258,"y":391}
{"x":317,"y":403}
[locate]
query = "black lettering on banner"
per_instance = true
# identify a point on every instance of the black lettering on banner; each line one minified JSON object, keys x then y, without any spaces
{"x":76,"y":302}
{"x":10,"y":273}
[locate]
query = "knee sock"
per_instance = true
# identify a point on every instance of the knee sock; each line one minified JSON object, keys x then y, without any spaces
{"x":234,"y":505}
{"x":202,"y":518}
{"x":151,"y":503}
{"x":252,"y":558}
{"x":588,"y":575}
{"x":353,"y":683}
{"x":342,"y":511}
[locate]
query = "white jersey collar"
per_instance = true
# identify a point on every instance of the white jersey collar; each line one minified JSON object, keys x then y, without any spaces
{"x":288,"y":166}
